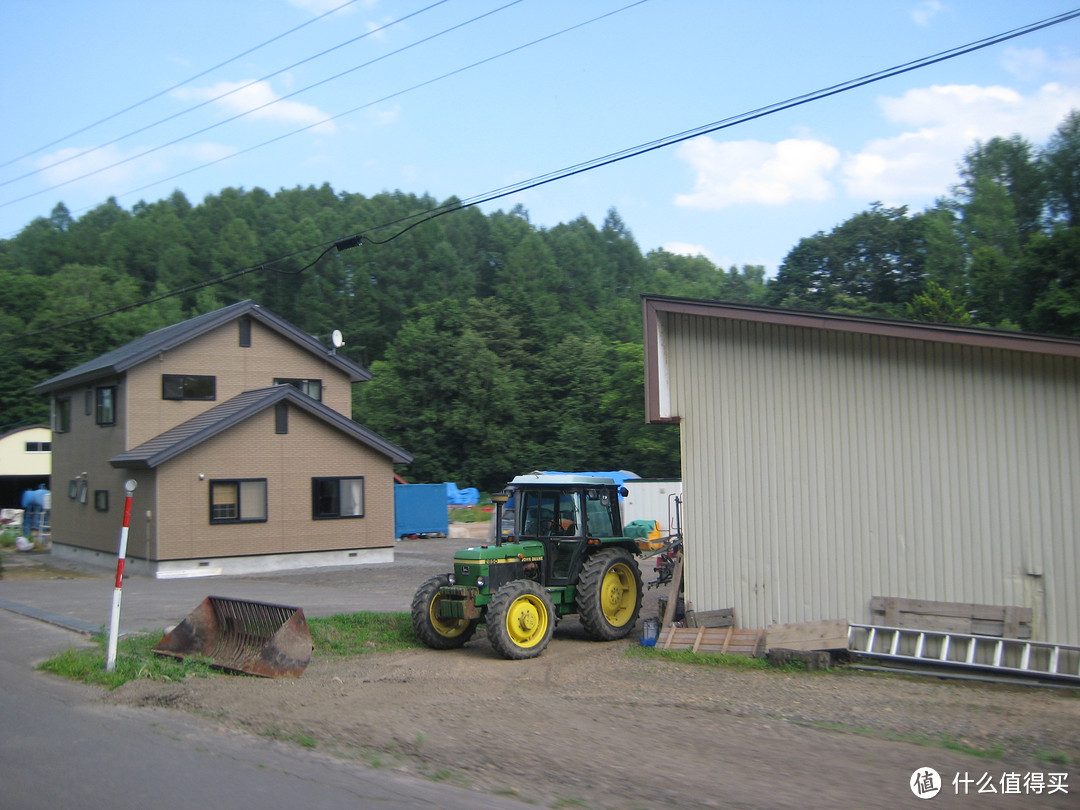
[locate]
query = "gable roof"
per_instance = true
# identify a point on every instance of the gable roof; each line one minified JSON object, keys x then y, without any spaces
{"x":169,"y":337}
{"x":220,"y":418}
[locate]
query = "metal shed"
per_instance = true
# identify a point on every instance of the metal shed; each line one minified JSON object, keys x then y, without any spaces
{"x":828,"y":459}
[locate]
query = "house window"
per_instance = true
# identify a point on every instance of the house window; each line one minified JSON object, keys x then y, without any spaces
{"x":73,"y":488}
{"x":240,"y":500}
{"x":281,"y":417}
{"x":337,"y":498}
{"x":188,"y":386}
{"x":245,"y":332}
{"x":82,"y":491}
{"x":62,"y":415}
{"x":101,"y":500}
{"x":105,"y":407}
{"x":313,"y":388}
{"x":39,"y":447}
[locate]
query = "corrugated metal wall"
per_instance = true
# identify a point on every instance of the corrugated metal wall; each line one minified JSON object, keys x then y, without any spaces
{"x":823,"y":468}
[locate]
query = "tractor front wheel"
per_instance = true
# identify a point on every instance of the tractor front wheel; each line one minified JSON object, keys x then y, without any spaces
{"x":436,"y":632}
{"x":520,"y":619}
{"x":609,"y":594}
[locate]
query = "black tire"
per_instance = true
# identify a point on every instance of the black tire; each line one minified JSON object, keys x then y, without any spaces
{"x":520,"y":619}
{"x":609,"y":594}
{"x":439,"y":634}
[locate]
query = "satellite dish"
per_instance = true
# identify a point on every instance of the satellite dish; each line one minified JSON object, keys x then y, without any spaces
{"x":336,"y":340}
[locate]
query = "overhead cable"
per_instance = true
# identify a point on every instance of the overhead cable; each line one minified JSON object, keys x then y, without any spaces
{"x":414,"y":220}
{"x":176,"y":86}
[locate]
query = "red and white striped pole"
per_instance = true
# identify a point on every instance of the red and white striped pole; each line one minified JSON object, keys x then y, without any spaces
{"x":114,"y":623}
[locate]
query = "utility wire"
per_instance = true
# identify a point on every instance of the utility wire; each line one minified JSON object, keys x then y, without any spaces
{"x":175,"y":86}
{"x":332,"y":118}
{"x":641,"y":149}
{"x":206,"y":129}
{"x":414,"y":220}
{"x":233,"y":91}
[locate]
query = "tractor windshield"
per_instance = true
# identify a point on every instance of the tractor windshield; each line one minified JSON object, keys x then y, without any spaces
{"x":551,"y":513}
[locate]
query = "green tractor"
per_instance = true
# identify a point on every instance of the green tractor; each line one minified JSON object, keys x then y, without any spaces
{"x":557,"y":550}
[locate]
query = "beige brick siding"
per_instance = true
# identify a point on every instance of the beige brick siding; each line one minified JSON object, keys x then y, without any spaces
{"x":288,"y":463}
{"x":236,"y":369}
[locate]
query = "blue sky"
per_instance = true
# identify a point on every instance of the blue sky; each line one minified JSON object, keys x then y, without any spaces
{"x":413,"y":111}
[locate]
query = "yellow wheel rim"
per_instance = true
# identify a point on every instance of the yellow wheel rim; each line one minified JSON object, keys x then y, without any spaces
{"x":527,"y":621}
{"x":618,"y":594}
{"x":450,"y":628}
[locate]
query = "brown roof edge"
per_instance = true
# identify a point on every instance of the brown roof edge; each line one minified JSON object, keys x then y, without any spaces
{"x":974,"y":336}
{"x":911,"y":330}
{"x":652,"y":362}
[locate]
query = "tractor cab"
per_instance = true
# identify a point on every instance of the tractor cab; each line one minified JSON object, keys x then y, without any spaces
{"x":556,"y":549}
{"x":562,"y":512}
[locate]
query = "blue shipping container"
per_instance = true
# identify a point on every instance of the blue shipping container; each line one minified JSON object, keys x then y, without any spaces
{"x":420,"y":509}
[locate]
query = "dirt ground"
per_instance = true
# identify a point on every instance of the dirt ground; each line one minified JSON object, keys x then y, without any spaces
{"x":597,"y":725}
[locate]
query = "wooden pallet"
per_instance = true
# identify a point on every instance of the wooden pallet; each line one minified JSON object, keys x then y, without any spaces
{"x":1008,"y":621}
{"x":713,"y":640}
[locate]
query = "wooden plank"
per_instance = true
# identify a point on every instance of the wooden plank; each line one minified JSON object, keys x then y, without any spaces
{"x":715,"y":618}
{"x":673,"y":593}
{"x":830,"y":634}
{"x":1002,"y":621}
{"x":892,"y":611}
{"x":968,"y":610}
{"x":697,"y":641}
{"x":714,"y":640}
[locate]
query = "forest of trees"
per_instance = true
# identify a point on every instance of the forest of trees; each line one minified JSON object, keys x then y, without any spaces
{"x":498,"y":347}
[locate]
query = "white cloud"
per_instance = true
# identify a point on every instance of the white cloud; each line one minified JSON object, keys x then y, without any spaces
{"x":926,"y":11}
{"x":323,"y":6}
{"x":943,"y":123}
{"x":739,"y":172}
{"x":259,"y":101}
{"x":687,"y":249}
{"x":113,"y":171}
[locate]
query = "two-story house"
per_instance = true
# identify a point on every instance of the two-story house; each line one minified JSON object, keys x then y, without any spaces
{"x":235,"y":426}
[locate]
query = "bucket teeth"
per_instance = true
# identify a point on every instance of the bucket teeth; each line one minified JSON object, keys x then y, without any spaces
{"x":258,"y":638}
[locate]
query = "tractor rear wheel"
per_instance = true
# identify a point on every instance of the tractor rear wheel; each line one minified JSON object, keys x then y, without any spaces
{"x":436,"y":632}
{"x":520,"y":619}
{"x":609,"y":594}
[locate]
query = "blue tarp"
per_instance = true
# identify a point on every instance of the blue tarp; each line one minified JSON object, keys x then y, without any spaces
{"x":470,"y":496}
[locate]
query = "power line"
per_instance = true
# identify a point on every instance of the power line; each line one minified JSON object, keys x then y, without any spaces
{"x":332,"y":118}
{"x":761,"y":112}
{"x":226,"y":94}
{"x":422,"y":217}
{"x":176,"y":86}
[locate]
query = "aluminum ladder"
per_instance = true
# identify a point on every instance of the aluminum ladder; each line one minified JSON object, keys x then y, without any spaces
{"x":1014,"y":656}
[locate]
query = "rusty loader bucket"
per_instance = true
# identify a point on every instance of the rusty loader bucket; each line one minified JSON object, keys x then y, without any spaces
{"x":258,"y":638}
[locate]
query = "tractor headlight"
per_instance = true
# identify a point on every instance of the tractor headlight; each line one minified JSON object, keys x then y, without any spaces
{"x":479,"y":582}
{"x":452,"y":579}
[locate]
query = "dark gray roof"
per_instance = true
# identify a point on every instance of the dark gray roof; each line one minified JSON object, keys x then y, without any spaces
{"x":169,"y":337}
{"x":220,"y":418}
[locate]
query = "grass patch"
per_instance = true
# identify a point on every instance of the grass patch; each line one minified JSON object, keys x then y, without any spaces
{"x":350,"y":634}
{"x":946,"y":741}
{"x":345,"y":635}
{"x":719,"y":660}
{"x":134,"y":661}
{"x":481,"y":513}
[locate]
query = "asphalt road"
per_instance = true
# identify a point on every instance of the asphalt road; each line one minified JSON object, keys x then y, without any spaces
{"x":61,"y":747}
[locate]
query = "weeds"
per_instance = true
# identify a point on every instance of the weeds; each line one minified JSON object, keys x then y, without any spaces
{"x":347,"y":635}
{"x":134,"y":661}
{"x":721,"y":660}
{"x":344,"y":635}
